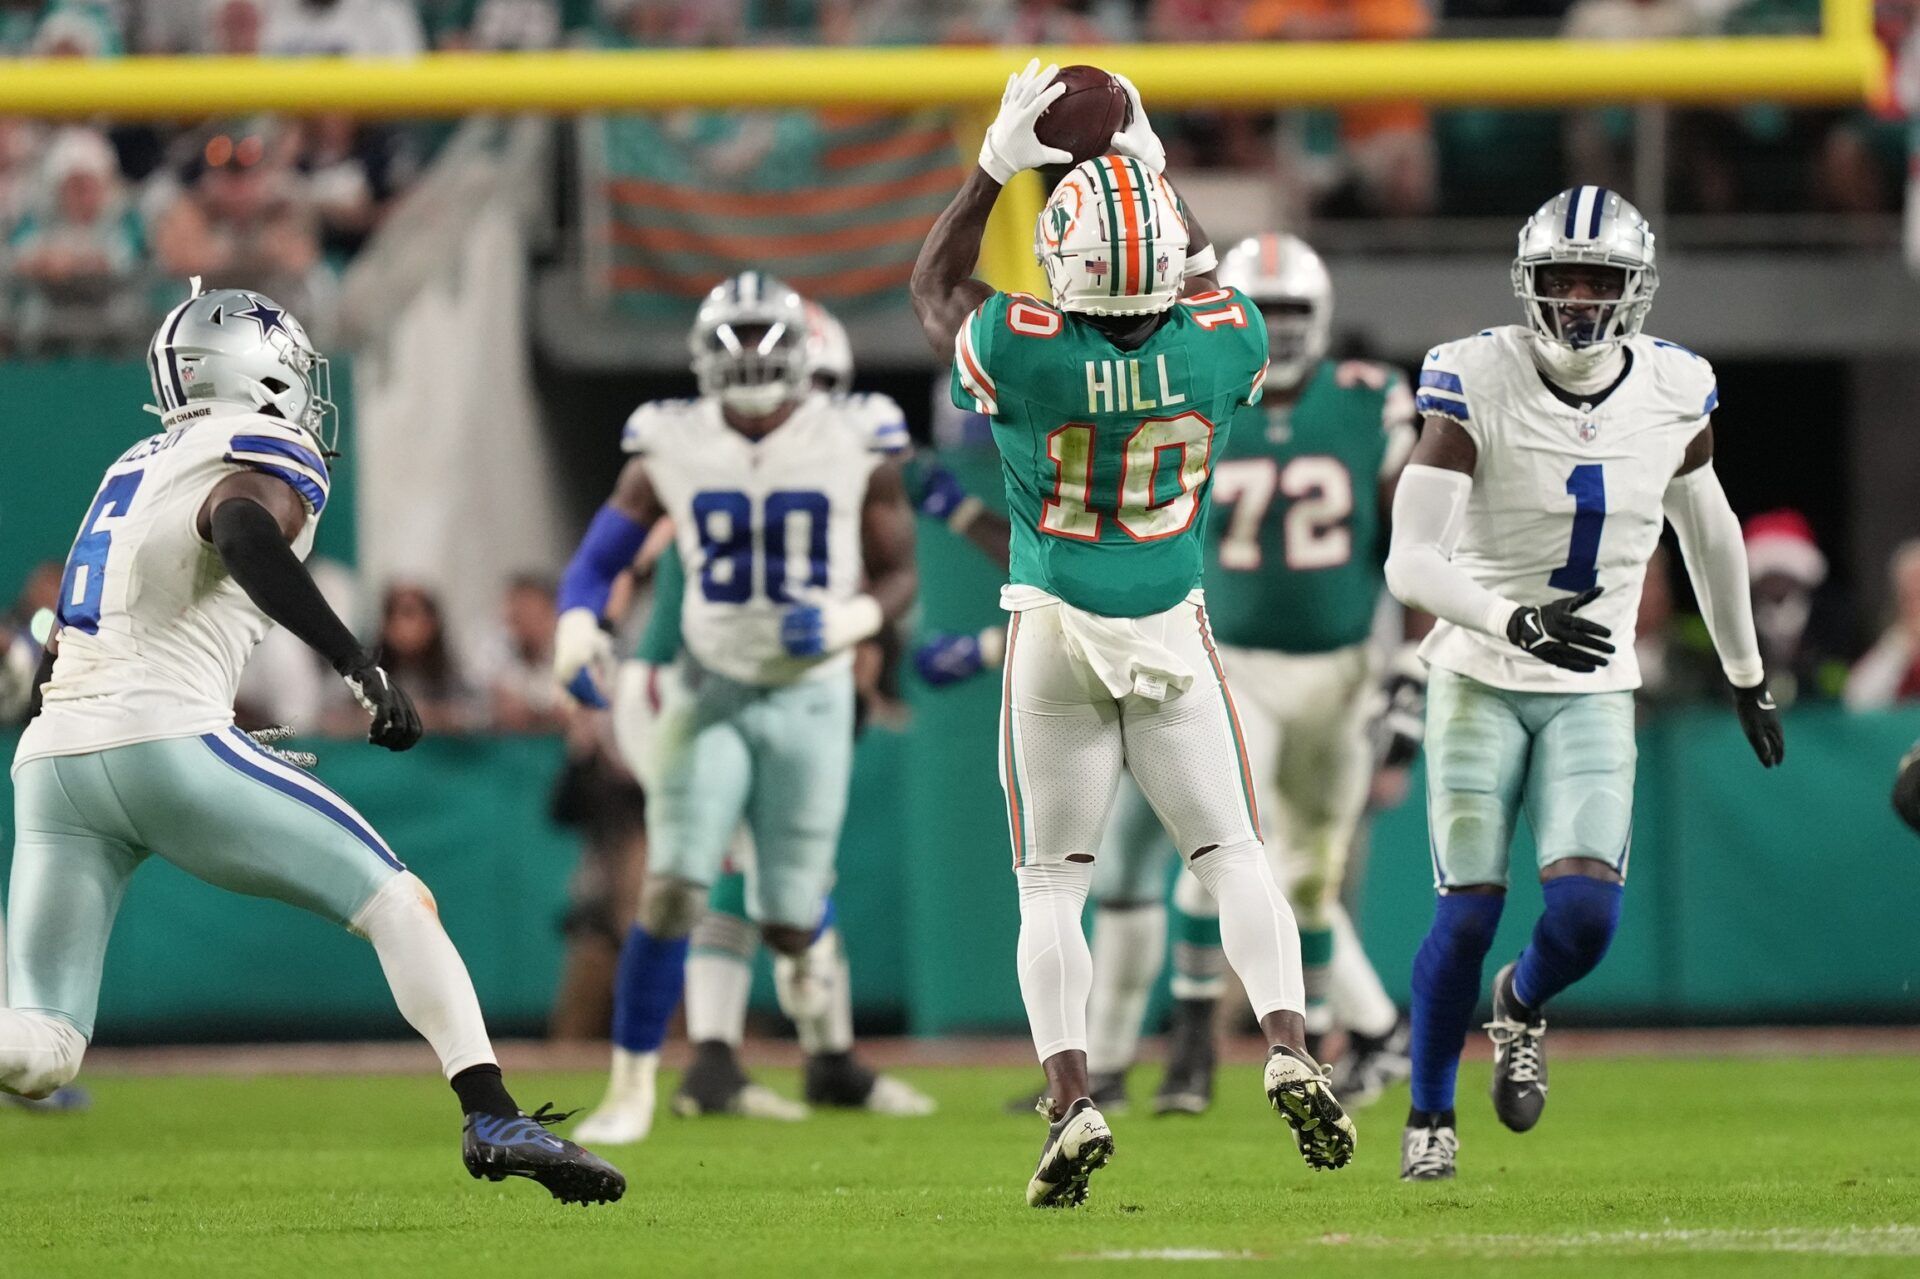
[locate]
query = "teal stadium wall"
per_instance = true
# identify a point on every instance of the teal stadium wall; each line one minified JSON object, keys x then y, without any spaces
{"x":1754,"y":896}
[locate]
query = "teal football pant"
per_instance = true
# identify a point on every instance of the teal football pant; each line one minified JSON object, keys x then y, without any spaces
{"x":216,"y":806}
{"x":778,"y":758}
{"x":1566,"y":758}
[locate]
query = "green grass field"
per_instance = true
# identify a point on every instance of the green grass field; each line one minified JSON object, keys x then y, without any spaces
{"x":1789,"y":1166}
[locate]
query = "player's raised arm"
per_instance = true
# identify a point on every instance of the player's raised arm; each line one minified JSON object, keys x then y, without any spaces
{"x":583,"y":657}
{"x":1716,"y":556}
{"x":1429,"y":514}
{"x":252,"y":519}
{"x":887,"y":541}
{"x":943,"y":288}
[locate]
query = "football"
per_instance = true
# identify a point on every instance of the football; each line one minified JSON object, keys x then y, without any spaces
{"x":1084,"y":118}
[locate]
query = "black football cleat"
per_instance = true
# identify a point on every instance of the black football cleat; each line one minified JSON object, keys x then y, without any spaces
{"x":1078,"y":1145}
{"x":1519,"y":1056}
{"x":1371,"y":1065}
{"x":497,"y":1147}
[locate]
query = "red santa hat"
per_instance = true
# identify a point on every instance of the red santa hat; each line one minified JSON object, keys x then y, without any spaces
{"x":1782,"y":542}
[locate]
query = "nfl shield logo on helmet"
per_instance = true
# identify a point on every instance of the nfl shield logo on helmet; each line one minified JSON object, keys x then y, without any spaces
{"x":1589,"y":431}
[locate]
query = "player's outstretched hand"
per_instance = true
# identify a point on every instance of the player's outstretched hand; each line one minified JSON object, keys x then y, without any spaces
{"x":803,"y":631}
{"x":1906,"y":789}
{"x":949,"y":659}
{"x":1405,"y":718}
{"x":1138,"y":138}
{"x":1555,"y":633}
{"x":396,"y":724}
{"x":1011,"y":144}
{"x":1760,"y":721}
{"x":583,"y":657}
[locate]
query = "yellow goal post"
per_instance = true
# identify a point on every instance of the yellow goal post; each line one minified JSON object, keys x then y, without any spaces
{"x":1842,"y":64}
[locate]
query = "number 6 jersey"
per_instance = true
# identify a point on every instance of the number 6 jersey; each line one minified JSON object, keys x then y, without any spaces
{"x":764,"y":525}
{"x":1565,"y":495}
{"x":1108,"y":453}
{"x":153,"y":632}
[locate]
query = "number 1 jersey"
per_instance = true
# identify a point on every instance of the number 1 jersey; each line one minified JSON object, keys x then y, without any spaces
{"x":1108,"y":453}
{"x":153,"y":632}
{"x":763,"y":525}
{"x":1565,"y":496}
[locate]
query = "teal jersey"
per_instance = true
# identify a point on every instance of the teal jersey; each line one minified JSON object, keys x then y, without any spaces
{"x":1108,"y":454}
{"x":1295,"y":550}
{"x":660,"y":641}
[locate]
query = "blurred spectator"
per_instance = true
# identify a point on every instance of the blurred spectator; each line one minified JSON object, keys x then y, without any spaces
{"x":516,"y":666}
{"x":351,"y":170}
{"x":1675,"y":668}
{"x":510,"y":24}
{"x":596,"y":794}
{"x":1599,"y":142}
{"x":1387,"y":147}
{"x":20,"y":145}
{"x":244,"y":222}
{"x":19,"y":19}
{"x":233,"y":28}
{"x":75,"y":250}
{"x":285,"y":682}
{"x":77,"y":30}
{"x":414,"y":648}
{"x":1890,"y":671}
{"x":343,"y":28}
{"x":1787,"y":570}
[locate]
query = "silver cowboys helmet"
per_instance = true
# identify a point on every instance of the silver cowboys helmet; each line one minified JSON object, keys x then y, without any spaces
{"x":235,"y":346}
{"x":1289,"y":282}
{"x":1586,"y":226}
{"x":829,"y":352}
{"x":750,"y":343}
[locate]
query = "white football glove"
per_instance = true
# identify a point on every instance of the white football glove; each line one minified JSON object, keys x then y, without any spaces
{"x":1011,"y":144}
{"x":583,"y":660}
{"x":1138,"y":138}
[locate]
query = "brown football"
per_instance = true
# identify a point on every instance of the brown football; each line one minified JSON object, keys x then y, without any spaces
{"x":1084,"y":119}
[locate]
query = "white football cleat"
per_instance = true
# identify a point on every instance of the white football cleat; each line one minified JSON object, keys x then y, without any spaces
{"x":757,"y":1101}
{"x":1297,"y":1089}
{"x":625,"y":1114}
{"x":1078,"y":1145}
{"x":899,"y":1099}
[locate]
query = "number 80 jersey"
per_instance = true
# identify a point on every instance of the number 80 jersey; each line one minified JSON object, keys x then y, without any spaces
{"x":1108,"y":453}
{"x":763,"y":525}
{"x":1565,"y":496}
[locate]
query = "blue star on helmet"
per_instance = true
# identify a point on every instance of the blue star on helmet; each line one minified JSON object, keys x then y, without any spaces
{"x":267,"y":317}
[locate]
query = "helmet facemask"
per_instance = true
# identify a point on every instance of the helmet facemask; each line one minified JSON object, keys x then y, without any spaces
{"x":1296,"y":338}
{"x":1583,"y":305}
{"x":752,"y":367}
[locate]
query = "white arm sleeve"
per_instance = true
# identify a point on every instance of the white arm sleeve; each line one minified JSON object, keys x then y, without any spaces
{"x":1429,"y":511}
{"x":1716,"y":558}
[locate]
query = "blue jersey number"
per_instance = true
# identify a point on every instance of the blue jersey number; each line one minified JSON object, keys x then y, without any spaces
{"x":86,"y":575}
{"x":1588,"y":485}
{"x":724,"y":520}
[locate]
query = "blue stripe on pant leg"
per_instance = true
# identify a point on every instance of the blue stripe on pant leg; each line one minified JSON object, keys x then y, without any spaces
{"x":312,"y":794}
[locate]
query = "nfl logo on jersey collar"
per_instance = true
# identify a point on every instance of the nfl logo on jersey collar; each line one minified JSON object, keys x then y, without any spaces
{"x":1589,"y":430}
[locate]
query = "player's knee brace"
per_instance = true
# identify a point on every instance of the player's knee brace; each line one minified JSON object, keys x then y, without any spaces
{"x":670,"y":906}
{"x":40,"y":1054}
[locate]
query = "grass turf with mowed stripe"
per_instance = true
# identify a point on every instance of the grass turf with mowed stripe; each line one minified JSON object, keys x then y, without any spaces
{"x":1789,"y":1166}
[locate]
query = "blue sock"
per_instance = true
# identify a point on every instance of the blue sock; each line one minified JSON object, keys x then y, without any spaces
{"x":1446,"y":986}
{"x":1570,"y":939}
{"x":647,"y":989}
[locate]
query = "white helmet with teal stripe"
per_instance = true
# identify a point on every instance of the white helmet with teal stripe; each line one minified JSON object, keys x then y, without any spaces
{"x":1585,"y":227}
{"x":1112,"y":240}
{"x":235,"y":346}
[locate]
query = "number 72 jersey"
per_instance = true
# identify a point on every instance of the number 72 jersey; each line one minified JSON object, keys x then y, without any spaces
{"x":1108,"y":453}
{"x":1565,"y":496}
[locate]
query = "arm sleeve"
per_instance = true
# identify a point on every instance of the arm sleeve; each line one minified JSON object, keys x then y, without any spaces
{"x":1429,"y":511}
{"x":1716,"y":558}
{"x":611,"y":542}
{"x":249,"y":542}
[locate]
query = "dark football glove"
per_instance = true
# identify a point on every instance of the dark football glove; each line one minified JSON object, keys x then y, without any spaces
{"x":1556,"y":635}
{"x":1760,"y":721}
{"x":396,"y":724}
{"x":1405,"y":718}
{"x":1906,"y":789}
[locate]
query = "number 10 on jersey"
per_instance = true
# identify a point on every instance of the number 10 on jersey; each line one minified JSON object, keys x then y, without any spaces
{"x":1178,"y":447}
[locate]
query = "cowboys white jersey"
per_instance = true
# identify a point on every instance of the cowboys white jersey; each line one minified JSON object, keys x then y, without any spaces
{"x":1564,"y":496}
{"x":764,"y":525}
{"x":153,"y":633}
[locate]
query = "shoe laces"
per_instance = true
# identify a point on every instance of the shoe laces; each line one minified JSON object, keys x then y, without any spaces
{"x":548,"y":1117}
{"x":1518,"y":1042}
{"x":1433,"y":1150}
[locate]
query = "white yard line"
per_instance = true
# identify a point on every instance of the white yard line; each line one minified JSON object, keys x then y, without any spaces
{"x":1837,"y":1241}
